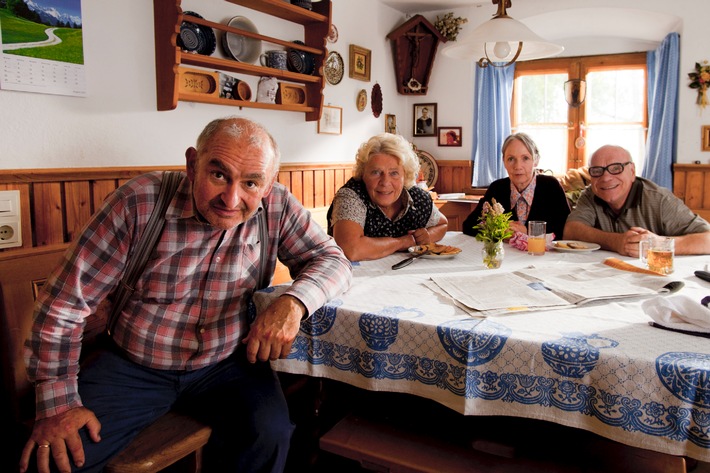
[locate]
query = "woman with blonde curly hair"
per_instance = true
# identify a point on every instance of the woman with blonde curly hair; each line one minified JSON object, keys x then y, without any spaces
{"x":381,"y":210}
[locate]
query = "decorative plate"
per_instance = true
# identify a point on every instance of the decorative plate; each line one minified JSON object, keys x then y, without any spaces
{"x":196,"y":38}
{"x":240,"y":47}
{"x":300,"y":61}
{"x":574,"y":246}
{"x":428,"y":167}
{"x":334,"y":68}
{"x":361,"y":100}
{"x":332,"y":34}
{"x":376,"y":100}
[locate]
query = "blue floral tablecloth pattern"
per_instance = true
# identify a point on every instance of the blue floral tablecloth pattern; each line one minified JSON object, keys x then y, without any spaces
{"x":597,"y":367}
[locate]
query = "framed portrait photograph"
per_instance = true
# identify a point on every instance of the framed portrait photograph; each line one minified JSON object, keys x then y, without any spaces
{"x":360,"y":63}
{"x":424,"y":119}
{"x":449,"y":135}
{"x":331,"y":121}
{"x":706,"y":138}
{"x":390,"y":123}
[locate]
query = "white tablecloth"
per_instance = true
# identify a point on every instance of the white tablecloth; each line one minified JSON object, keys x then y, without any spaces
{"x":598,"y":367}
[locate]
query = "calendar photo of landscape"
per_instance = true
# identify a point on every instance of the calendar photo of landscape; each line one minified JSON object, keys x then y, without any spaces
{"x":42,"y":46}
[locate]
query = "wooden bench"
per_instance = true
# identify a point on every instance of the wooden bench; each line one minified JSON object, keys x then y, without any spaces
{"x":403,"y":433}
{"x":380,"y":445}
{"x":174,"y":439}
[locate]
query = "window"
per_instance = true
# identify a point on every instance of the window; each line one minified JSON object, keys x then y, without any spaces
{"x":614,"y":111}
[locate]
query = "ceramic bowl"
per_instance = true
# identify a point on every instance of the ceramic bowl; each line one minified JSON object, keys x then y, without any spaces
{"x":240,"y":47}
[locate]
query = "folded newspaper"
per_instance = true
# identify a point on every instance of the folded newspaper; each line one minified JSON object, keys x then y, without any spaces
{"x":545,"y":288}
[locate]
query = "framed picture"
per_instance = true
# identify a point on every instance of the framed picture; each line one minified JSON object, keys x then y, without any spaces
{"x":706,"y":138}
{"x":331,"y":121}
{"x":360,"y":63}
{"x":390,"y":123}
{"x":424,"y":119}
{"x":449,"y":135}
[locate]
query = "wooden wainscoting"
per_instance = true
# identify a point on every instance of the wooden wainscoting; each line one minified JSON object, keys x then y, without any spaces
{"x":55,"y":204}
{"x":454,"y":176}
{"x":691,"y":183}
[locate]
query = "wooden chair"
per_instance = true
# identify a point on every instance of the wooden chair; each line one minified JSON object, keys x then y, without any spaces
{"x":174,"y":441}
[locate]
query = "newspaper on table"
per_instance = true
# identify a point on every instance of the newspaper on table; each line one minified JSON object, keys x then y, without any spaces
{"x":545,"y":288}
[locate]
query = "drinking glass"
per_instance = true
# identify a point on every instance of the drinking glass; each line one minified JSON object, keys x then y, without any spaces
{"x":657,"y":254}
{"x":537,"y":230}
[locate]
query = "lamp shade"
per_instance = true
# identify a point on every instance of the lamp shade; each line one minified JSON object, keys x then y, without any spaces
{"x":501,"y":39}
{"x":481,"y":42}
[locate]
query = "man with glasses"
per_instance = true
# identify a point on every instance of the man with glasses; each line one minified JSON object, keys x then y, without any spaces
{"x":619,"y":209}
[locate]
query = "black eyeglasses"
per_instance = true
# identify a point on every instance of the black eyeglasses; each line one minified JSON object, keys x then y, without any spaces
{"x":613,"y":168}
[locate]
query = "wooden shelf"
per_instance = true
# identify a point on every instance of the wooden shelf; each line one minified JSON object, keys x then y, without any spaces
{"x":168,"y":16}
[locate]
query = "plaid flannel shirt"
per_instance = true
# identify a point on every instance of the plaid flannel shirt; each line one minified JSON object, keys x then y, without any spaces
{"x":189,"y":309}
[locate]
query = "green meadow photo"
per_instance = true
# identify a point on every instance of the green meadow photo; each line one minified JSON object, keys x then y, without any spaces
{"x":51,"y":30}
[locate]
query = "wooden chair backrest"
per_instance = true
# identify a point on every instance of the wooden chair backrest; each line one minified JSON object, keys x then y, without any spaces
{"x":21,"y":276}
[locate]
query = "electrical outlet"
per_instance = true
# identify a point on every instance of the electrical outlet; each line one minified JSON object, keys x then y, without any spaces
{"x":10,"y":216}
{"x":6,"y":233}
{"x":9,"y":235}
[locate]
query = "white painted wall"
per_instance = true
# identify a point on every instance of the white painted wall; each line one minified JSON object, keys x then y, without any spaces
{"x":118,"y":125}
{"x":451,"y":80}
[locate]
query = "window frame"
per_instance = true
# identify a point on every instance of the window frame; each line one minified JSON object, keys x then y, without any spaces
{"x":577,"y":68}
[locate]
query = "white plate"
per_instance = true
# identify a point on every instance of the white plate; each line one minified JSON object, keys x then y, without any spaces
{"x":240,"y":47}
{"x":589,"y":246}
{"x":416,"y":249}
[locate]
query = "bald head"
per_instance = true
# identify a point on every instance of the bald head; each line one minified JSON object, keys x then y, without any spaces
{"x":617,"y":154}
{"x":613,"y":173}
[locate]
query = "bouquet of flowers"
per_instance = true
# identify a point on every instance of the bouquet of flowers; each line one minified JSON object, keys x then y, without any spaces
{"x":494,"y":224}
{"x":700,"y":79}
{"x":449,"y":26}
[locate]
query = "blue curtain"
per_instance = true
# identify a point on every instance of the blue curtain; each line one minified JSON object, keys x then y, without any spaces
{"x":663,"y":74}
{"x":491,"y":121}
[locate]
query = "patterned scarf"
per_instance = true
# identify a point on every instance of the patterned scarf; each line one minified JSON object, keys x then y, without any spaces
{"x":521,"y":201}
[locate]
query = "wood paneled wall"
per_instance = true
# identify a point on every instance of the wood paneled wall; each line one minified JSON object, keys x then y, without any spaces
{"x":691,"y":183}
{"x":56,"y":203}
{"x":454,"y":176}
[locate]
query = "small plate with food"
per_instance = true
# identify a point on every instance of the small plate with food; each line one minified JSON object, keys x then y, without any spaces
{"x":434,"y":251}
{"x":574,"y":246}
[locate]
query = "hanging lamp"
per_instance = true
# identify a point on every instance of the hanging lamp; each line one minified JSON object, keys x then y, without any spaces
{"x":501,"y":39}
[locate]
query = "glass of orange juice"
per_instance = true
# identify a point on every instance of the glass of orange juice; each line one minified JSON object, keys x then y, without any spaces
{"x":537,"y":230}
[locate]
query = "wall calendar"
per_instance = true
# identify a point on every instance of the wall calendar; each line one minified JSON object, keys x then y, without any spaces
{"x":42,"y":47}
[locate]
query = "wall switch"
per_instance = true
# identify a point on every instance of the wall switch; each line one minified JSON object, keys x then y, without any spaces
{"x":10,"y":204}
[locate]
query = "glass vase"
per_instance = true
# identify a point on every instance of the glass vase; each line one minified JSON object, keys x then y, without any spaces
{"x":493,"y":253}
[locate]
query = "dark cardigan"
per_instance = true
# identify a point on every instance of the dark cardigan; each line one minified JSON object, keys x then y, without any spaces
{"x":549,"y":204}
